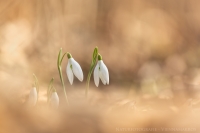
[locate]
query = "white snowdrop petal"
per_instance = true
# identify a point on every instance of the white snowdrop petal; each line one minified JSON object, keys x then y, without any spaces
{"x":54,"y":100}
{"x":69,"y":73}
{"x":96,"y":75}
{"x":104,"y":71}
{"x":76,"y":68}
{"x":102,"y":78}
{"x":32,"y":100}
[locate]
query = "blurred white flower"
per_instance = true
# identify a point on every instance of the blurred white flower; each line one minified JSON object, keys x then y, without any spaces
{"x":73,"y":68}
{"x":101,"y":72}
{"x":54,"y":100}
{"x":32,"y":100}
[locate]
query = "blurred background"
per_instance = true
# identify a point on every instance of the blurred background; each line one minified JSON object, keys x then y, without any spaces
{"x":141,"y":41}
{"x":149,"y":46}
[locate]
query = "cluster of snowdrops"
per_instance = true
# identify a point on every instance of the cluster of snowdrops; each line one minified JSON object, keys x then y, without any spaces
{"x":73,"y":69}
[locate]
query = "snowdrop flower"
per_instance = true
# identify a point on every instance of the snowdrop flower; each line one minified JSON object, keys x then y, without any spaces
{"x":32,"y":100}
{"x":54,"y":100}
{"x":73,"y":68}
{"x":101,"y":72}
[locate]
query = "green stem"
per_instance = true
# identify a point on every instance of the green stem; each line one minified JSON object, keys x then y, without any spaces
{"x":49,"y":89}
{"x":88,"y":84}
{"x":36,"y":85}
{"x":92,"y":66}
{"x":59,"y":62}
{"x":63,"y":85}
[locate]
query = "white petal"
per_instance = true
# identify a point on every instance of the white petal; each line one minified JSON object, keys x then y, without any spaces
{"x":104,"y":71}
{"x":96,"y":75}
{"x":102,"y":78}
{"x":54,"y":100}
{"x":76,"y":68}
{"x":69,"y":73}
{"x":32,"y":100}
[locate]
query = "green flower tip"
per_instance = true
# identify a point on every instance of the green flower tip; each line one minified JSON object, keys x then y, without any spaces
{"x":99,"y":57}
{"x":69,"y":55}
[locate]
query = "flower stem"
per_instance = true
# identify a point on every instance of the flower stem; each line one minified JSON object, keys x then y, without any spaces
{"x":49,"y":89}
{"x":87,"y":84}
{"x":61,"y":78}
{"x":59,"y":62}
{"x":94,"y":59}
{"x":36,"y":83}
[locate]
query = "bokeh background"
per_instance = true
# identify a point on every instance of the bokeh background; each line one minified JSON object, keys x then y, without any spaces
{"x":151,"y":47}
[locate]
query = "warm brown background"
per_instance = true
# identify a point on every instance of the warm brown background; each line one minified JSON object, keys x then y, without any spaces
{"x":151,"y":46}
{"x":137,"y":38}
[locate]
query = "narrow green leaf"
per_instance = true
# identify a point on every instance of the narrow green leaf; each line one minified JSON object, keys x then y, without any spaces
{"x":62,"y":58}
{"x":58,"y":60}
{"x":92,"y":66}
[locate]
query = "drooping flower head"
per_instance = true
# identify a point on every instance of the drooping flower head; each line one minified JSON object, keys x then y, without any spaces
{"x":54,"y":100}
{"x":34,"y":93}
{"x":101,"y":71}
{"x":52,"y":96}
{"x":73,"y":68}
{"x":33,"y":96}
